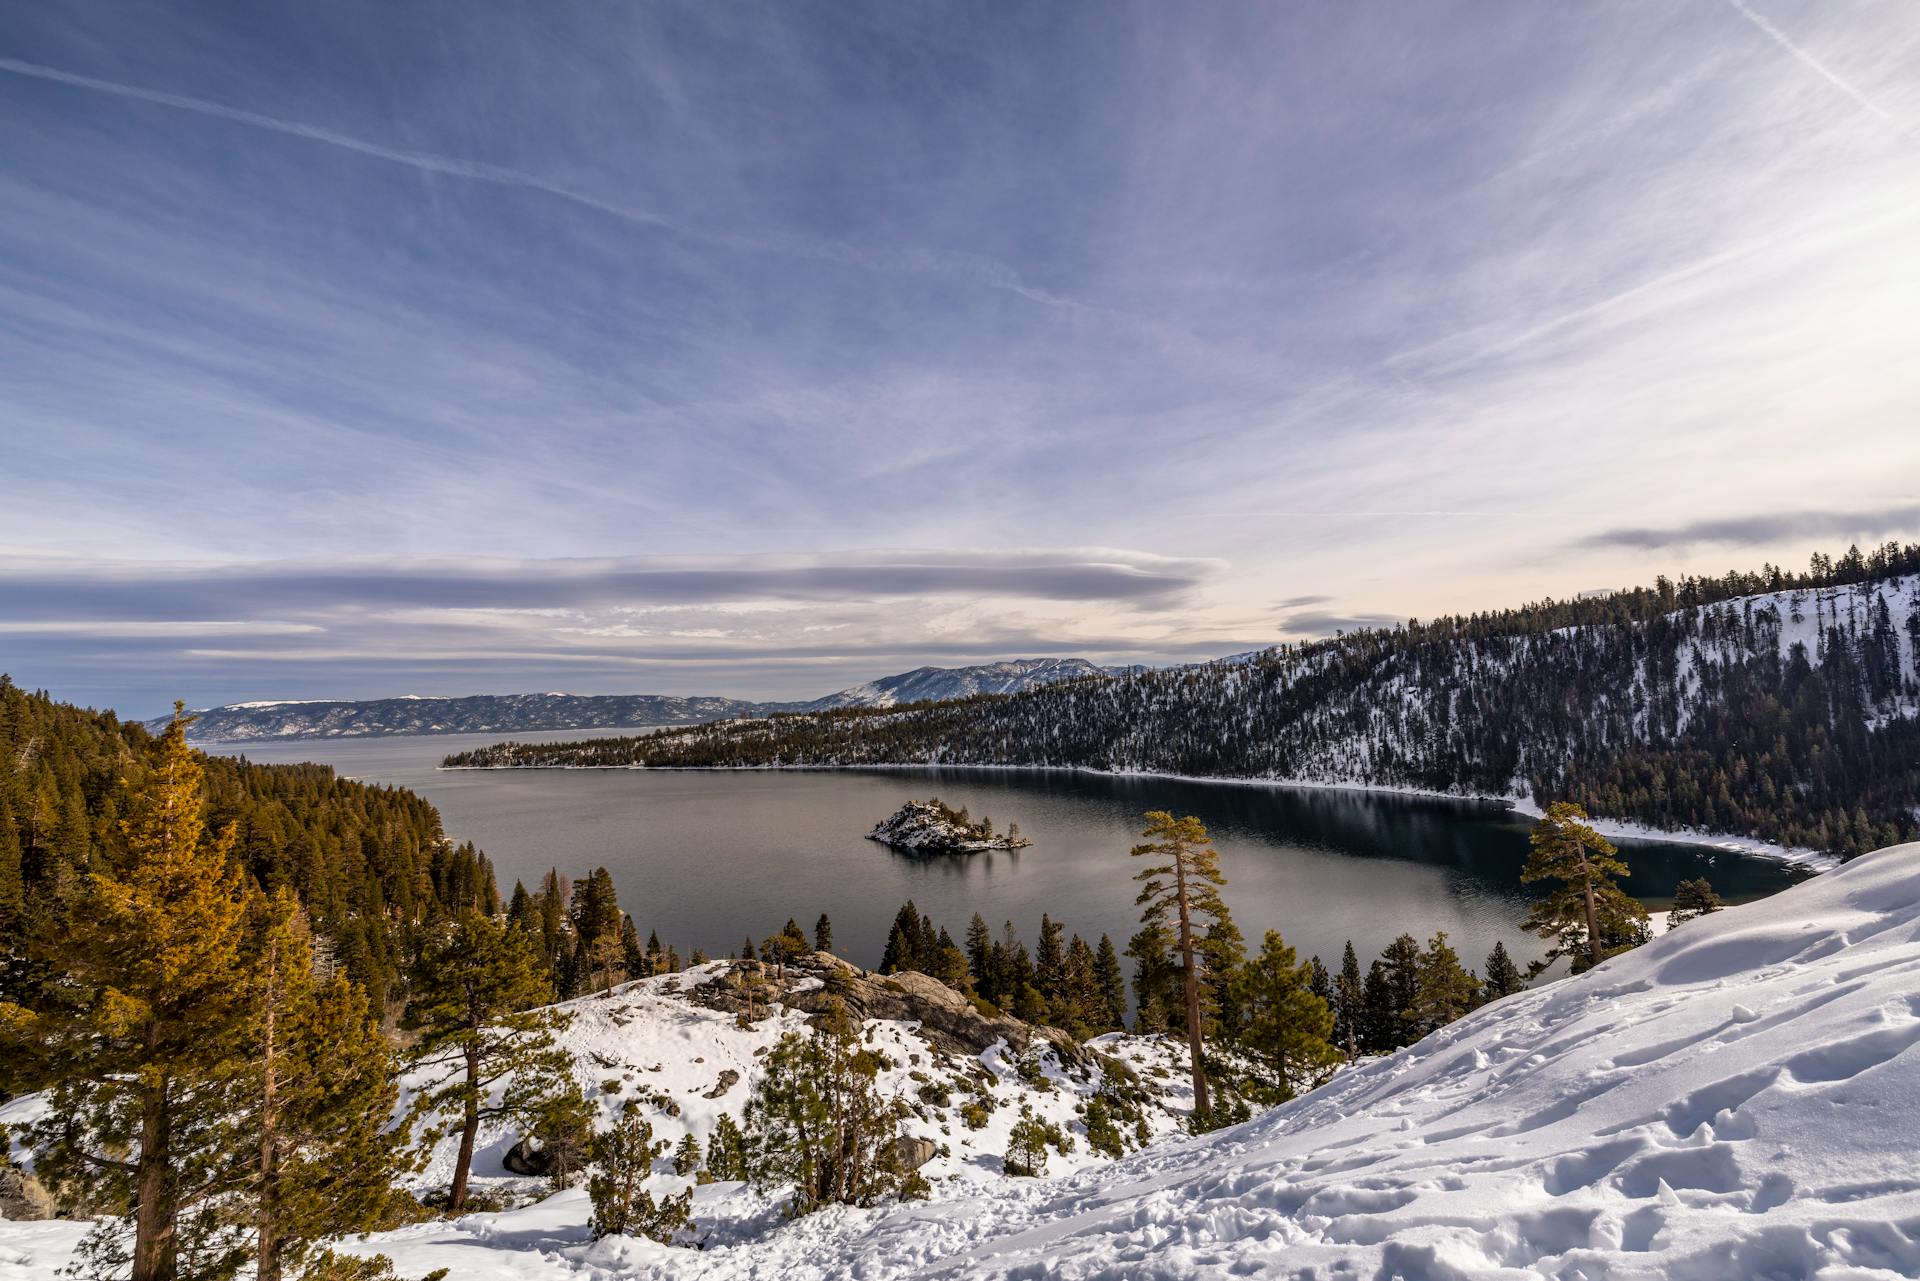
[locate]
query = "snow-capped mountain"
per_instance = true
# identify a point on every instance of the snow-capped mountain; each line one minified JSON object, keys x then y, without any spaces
{"x":527,"y":713}
{"x":934,"y":684}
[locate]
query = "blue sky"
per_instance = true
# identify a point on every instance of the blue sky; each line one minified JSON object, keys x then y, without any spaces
{"x":363,"y":349}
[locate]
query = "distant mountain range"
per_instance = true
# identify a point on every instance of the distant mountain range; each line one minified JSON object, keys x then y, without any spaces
{"x":528,"y":713}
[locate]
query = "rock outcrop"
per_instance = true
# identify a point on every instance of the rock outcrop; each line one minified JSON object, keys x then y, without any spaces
{"x":948,"y":1020}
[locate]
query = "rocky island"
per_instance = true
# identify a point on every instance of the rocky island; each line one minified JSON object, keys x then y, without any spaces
{"x":930,"y":827}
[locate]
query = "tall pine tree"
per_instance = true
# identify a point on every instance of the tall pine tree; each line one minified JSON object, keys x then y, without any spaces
{"x":1179,"y":895}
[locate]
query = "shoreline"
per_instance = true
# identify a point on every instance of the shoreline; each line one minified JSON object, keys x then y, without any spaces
{"x":1612,"y":829}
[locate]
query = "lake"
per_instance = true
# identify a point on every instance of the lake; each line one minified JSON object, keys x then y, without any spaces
{"x":707,"y":858}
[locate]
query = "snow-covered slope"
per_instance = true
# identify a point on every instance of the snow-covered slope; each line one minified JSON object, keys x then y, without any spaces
{"x":1736,"y":1099}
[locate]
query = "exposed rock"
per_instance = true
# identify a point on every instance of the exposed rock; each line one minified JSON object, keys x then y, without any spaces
{"x":524,"y":1158}
{"x":914,"y":1152}
{"x":811,"y":984}
{"x":728,"y":1078}
{"x":23,"y":1197}
{"x":928,"y":827}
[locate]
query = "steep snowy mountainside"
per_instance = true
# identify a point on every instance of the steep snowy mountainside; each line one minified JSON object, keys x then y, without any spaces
{"x":1790,"y":716}
{"x":1735,"y":1099}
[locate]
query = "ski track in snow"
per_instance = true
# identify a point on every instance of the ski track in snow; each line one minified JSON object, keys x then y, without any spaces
{"x":1735,"y":1099}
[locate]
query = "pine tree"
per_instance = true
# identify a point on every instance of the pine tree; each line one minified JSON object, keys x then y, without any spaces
{"x":1113,"y":984}
{"x":906,"y":945}
{"x":320,"y":1090}
{"x":12,"y":881}
{"x":562,"y":1124}
{"x":823,"y":934}
{"x":1692,"y":899}
{"x":820,"y":1123}
{"x":726,"y":1150}
{"x":633,"y":955}
{"x":949,"y":964}
{"x":623,"y":1159}
{"x":1083,"y":1004}
{"x":1587,"y":917}
{"x":143,"y":1040}
{"x":1026,"y":1155}
{"x":596,"y":927}
{"x":788,"y":944}
{"x":1444,"y":990}
{"x":1379,"y":1021}
{"x":1156,"y":981}
{"x":1503,"y":976}
{"x":1285,"y":1024}
{"x":1401,"y":969}
{"x":686,"y":1157}
{"x":1177,"y":895}
{"x":980,"y":958}
{"x":475,"y":994}
{"x":556,"y":939}
{"x":1347,"y":990}
{"x":1049,"y":960}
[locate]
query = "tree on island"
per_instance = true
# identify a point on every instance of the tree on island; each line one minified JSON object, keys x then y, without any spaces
{"x":1179,"y":892}
{"x":823,"y":934}
{"x":1587,"y":917}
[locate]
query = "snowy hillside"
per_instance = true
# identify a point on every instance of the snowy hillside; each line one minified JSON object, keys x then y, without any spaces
{"x":1735,"y":1099}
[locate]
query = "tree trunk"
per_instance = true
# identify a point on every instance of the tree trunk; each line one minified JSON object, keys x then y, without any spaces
{"x":268,"y":1268}
{"x":155,"y":1245}
{"x":1593,"y":915}
{"x":1201,"y":1104}
{"x":469,"y":1130}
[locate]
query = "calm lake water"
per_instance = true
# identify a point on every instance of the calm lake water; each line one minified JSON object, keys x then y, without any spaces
{"x":707,"y":858}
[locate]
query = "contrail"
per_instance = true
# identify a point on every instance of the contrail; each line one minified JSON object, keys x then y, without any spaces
{"x":499,"y":175}
{"x":1820,"y":68}
{"x":982,"y":271}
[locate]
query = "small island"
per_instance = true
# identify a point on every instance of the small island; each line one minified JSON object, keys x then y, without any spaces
{"x":930,"y":827}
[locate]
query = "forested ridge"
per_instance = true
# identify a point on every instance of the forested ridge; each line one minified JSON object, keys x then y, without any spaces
{"x":370,"y":864}
{"x":1778,"y":705}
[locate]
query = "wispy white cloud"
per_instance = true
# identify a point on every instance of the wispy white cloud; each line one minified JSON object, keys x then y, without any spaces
{"x":1378,"y":317}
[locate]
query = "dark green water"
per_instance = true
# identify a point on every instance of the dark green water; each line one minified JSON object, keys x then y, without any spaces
{"x":707,"y":858}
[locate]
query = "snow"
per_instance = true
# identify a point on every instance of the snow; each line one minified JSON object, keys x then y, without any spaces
{"x":1734,"y":1099}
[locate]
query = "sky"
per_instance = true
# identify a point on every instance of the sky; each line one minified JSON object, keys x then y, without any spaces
{"x":359,"y":349}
